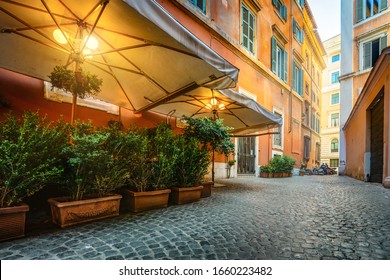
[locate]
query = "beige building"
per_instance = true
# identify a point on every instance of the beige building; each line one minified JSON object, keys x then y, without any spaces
{"x":330,"y":111}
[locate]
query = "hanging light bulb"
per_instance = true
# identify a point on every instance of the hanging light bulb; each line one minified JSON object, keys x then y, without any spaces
{"x":209,"y":106}
{"x":60,"y":37}
{"x":92,"y":43}
{"x":221,"y":107}
{"x":213,"y":101}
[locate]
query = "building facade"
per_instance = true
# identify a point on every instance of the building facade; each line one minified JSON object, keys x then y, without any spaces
{"x":364,"y":32}
{"x":280,"y":56}
{"x":330,"y":111}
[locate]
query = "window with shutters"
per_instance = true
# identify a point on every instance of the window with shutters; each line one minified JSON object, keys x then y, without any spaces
{"x":335,"y":77}
{"x":335,"y":58}
{"x":306,"y":147}
{"x":278,"y":138}
{"x":248,"y":23}
{"x":368,"y":8}
{"x":279,"y":59}
{"x":371,"y":50}
{"x":335,"y":99}
{"x":297,"y":78}
{"x":297,"y":31}
{"x":301,"y":3}
{"x":280,"y":8}
{"x":334,"y":120}
{"x":334,"y":146}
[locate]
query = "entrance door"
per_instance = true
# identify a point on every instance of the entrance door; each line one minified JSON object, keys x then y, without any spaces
{"x":377,"y":117}
{"x":246,"y":155}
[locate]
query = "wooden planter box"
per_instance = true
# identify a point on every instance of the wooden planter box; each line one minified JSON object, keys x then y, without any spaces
{"x":185,"y":195}
{"x":142,"y":201}
{"x":206,"y":191}
{"x":12,"y":222}
{"x":66,"y":213}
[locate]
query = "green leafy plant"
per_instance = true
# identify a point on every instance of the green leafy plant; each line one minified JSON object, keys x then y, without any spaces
{"x":81,"y":83}
{"x":92,"y":162}
{"x":212,"y":134}
{"x":265,"y":169}
{"x":231,"y":162}
{"x":191,"y":164}
{"x":30,"y":149}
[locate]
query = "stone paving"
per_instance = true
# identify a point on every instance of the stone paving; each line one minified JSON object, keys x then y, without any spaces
{"x":311,"y":217}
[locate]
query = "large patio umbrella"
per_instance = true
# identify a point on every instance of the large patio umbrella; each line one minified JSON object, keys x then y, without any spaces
{"x":238,"y":111}
{"x":143,"y":55}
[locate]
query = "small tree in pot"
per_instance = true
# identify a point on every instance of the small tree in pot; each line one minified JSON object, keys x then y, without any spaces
{"x":30,"y":150}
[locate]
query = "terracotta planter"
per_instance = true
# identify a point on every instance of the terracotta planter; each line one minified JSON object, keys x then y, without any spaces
{"x":206,"y":191}
{"x":12,"y":222}
{"x":185,"y":195}
{"x":142,"y":201}
{"x":66,"y":213}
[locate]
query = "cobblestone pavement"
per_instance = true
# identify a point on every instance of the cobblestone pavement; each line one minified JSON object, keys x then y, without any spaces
{"x":311,"y":217}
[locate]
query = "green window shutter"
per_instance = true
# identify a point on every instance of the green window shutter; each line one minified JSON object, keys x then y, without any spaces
{"x":285,"y":65}
{"x":300,"y":82}
{"x":294,"y":72}
{"x":359,"y":10}
{"x":382,"y":5}
{"x":284,"y":12}
{"x":275,"y":2}
{"x":273,"y":54}
{"x":382,"y":43}
{"x":367,"y":58}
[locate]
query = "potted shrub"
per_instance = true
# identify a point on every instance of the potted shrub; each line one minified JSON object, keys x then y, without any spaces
{"x":277,"y":163}
{"x":190,"y":167}
{"x":287,"y":165}
{"x":264,"y":171}
{"x":92,"y":170}
{"x":29,"y":159}
{"x":212,"y":136}
{"x":151,"y":155}
{"x":230,"y":163}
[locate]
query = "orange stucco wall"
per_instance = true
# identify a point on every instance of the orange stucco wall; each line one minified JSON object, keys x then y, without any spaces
{"x":357,"y":131}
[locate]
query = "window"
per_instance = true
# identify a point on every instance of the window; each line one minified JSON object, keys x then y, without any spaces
{"x":369,"y":8}
{"x":334,"y":120}
{"x":278,"y":138}
{"x":248,"y":29}
{"x":335,"y":77}
{"x":334,"y":162}
{"x":306,"y":147}
{"x":279,"y":60}
{"x":335,"y":99}
{"x":301,"y":3}
{"x":334,"y":146}
{"x":317,"y":124}
{"x":313,"y":96}
{"x":280,"y":8}
{"x":372,"y":50}
{"x":307,"y":113}
{"x":297,"y":31}
{"x":313,"y":119}
{"x":336,"y":58}
{"x":200,"y":4}
{"x":307,"y":88}
{"x":297,"y":79}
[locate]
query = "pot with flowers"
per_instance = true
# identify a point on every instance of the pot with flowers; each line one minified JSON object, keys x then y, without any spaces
{"x":229,"y":166}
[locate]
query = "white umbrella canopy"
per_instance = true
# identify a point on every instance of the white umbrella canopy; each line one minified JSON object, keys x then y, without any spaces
{"x":238,"y":111}
{"x":144,"y":56}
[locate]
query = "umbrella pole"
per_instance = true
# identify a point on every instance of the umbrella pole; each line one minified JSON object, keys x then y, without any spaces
{"x":73,"y":114}
{"x":212,"y":168}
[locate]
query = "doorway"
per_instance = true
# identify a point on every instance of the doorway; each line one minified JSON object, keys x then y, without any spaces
{"x":376,"y":139}
{"x":246,"y":156}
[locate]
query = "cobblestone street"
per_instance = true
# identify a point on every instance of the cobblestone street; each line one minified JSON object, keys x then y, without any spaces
{"x":311,"y":217}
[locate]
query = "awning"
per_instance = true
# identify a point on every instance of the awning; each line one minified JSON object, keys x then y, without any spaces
{"x":144,"y":56}
{"x":242,"y":113}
